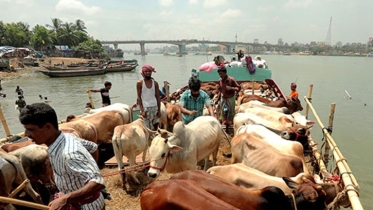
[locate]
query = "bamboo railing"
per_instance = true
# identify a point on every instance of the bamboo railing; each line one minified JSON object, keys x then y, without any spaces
{"x":349,"y":180}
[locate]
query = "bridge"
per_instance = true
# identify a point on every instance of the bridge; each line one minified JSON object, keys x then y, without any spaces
{"x":250,"y":47}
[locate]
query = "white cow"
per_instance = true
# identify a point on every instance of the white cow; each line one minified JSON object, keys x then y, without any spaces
{"x":197,"y":141}
{"x":258,"y":104}
{"x":285,"y":146}
{"x":250,"y":178}
{"x":131,"y":140}
{"x":124,"y":109}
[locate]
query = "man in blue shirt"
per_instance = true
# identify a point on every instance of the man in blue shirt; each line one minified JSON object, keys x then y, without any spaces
{"x":193,"y":101}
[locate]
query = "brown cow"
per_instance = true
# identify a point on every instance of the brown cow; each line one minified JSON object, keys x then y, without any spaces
{"x":173,"y":115}
{"x":104,"y":122}
{"x":307,"y":195}
{"x":250,"y":150}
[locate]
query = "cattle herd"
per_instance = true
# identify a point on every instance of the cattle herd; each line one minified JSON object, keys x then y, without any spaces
{"x":270,"y":165}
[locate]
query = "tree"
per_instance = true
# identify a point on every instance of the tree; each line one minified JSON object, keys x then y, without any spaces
{"x":16,"y":34}
{"x":56,"y":25}
{"x":68,"y":35}
{"x":40,"y":36}
{"x":80,"y":26}
{"x":2,"y":33}
{"x":91,"y":45}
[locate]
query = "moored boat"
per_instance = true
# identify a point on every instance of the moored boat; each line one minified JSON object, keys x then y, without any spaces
{"x":73,"y":73}
{"x":120,"y":66}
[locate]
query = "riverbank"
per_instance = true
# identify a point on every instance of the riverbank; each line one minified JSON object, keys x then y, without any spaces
{"x":45,"y":62}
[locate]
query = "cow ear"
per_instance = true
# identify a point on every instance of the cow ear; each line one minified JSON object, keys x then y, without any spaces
{"x":310,"y":123}
{"x":290,"y":183}
{"x":176,"y":148}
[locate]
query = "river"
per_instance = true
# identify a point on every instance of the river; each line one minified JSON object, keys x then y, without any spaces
{"x":330,"y":77}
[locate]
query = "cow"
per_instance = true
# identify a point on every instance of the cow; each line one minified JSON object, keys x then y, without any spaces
{"x":81,"y":128}
{"x":306,"y":196}
{"x":131,"y":140}
{"x":173,"y":115}
{"x":250,"y":178}
{"x":277,"y":126}
{"x":124,"y":109}
{"x":37,"y":166}
{"x":250,"y":150}
{"x":197,"y":140}
{"x":14,"y":175}
{"x":271,"y":138}
{"x":180,"y":194}
{"x":292,"y":106}
{"x":104,"y":121}
{"x":255,"y":104}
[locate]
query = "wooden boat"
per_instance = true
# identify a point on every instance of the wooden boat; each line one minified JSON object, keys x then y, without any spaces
{"x":120,"y":66}
{"x":54,"y":68}
{"x":315,"y":161}
{"x":73,"y":73}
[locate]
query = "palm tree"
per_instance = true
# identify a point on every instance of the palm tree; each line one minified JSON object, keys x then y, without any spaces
{"x":56,"y":25}
{"x":80,"y":25}
{"x":68,"y":34}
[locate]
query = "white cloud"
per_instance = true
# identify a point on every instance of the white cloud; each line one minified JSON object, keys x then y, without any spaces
{"x":193,"y":1}
{"x":213,"y":3}
{"x":291,"y":4}
{"x":231,"y":13}
{"x":265,"y":9}
{"x":167,"y":13}
{"x":6,"y":1}
{"x":166,"y":3}
{"x":25,"y":3}
{"x":76,"y":6}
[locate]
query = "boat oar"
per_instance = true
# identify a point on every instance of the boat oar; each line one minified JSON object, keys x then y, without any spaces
{"x":110,"y":98}
{"x":90,"y":99}
{"x":349,"y":96}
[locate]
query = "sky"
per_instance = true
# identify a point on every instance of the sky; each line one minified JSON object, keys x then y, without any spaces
{"x":299,"y":21}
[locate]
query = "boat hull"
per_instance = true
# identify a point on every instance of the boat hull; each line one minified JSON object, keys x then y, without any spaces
{"x":73,"y":73}
{"x":241,"y":74}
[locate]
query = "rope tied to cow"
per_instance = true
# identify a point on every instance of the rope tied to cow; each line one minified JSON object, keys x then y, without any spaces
{"x":342,"y":196}
{"x":295,"y":204}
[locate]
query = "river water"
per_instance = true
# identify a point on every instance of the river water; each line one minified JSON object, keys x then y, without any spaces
{"x":330,"y":77}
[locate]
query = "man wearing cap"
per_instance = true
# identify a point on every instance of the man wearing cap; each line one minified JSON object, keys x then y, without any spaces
{"x":148,"y":97}
{"x":227,"y":89}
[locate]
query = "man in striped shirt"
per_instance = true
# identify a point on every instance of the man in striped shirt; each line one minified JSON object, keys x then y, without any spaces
{"x":193,"y":101}
{"x":76,"y":173}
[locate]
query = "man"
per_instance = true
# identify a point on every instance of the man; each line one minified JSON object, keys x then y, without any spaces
{"x":19,"y":91}
{"x":227,"y":89}
{"x":193,"y":101}
{"x":293,"y":93}
{"x":20,"y":103}
{"x":76,"y":173}
{"x":104,"y":93}
{"x":148,"y":97}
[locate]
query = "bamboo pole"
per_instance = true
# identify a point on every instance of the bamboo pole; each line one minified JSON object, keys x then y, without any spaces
{"x":90,"y":99}
{"x":330,"y":128}
{"x":252,"y":88}
{"x":349,"y":180}
{"x":3,"y":121}
{"x":309,"y":96}
{"x":19,"y":188}
{"x":23,"y":203}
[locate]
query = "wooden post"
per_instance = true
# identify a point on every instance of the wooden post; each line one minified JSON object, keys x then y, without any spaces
{"x":23,"y":203}
{"x":252,"y":88}
{"x":166,"y":86}
{"x":19,"y":188}
{"x":3,"y":121}
{"x":90,"y":99}
{"x":309,"y":98}
{"x":330,"y":127}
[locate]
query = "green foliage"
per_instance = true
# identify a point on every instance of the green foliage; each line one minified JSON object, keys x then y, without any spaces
{"x":16,"y":34}
{"x":40,"y":35}
{"x":91,"y":45}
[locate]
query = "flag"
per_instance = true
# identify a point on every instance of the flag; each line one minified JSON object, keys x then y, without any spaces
{"x":42,"y":41}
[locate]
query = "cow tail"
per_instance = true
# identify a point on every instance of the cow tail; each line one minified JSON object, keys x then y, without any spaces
{"x":117,"y":145}
{"x":130,"y":115}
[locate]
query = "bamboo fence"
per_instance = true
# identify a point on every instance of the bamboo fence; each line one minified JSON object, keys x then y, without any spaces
{"x":349,"y":180}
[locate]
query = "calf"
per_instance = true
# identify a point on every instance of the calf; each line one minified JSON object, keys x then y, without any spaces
{"x":131,"y":140}
{"x":250,"y":150}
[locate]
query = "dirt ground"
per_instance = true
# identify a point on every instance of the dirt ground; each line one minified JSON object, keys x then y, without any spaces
{"x":45,"y":62}
{"x":123,"y":201}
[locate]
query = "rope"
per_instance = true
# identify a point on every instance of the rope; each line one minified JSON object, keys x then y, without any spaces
{"x":129,"y":169}
{"x":295,"y":204}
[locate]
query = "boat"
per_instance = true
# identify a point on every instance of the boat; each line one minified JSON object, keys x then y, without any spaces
{"x":316,"y":156}
{"x":73,"y":72}
{"x":120,"y":66}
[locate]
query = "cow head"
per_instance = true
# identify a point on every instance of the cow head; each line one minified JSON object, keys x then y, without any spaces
{"x":160,"y":151}
{"x":294,"y":105}
{"x":308,"y":195}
